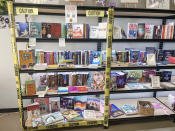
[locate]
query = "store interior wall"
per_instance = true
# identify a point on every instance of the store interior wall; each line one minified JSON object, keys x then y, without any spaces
{"x":8,"y":95}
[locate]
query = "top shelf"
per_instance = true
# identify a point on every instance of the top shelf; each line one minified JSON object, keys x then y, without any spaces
{"x":48,"y":9}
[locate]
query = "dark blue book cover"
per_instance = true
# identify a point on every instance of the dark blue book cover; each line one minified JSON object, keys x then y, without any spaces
{"x":115,"y":111}
{"x":166,"y":76}
{"x":135,"y":56}
{"x":22,"y":29}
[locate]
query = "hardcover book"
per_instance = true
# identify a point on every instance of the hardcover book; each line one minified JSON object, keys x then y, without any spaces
{"x":151,"y":59}
{"x":89,"y":115}
{"x":35,"y":30}
{"x":117,"y":32}
{"x":54,"y":104}
{"x":155,"y":81}
{"x":78,"y":31}
{"x":30,"y":87}
{"x":22,"y":30}
{"x":66,"y":103}
{"x":102,"y":30}
{"x":149,"y":31}
{"x":115,"y":111}
{"x":69,"y":28}
{"x":135,"y":56}
{"x":132,"y":30}
{"x":94,"y":32}
{"x":44,"y":105}
{"x":80,"y":103}
{"x":141,"y":31}
{"x":166,"y":76}
{"x":70,"y":114}
{"x":93,"y":104}
{"x":70,"y":14}
{"x":26,"y":58}
{"x":98,"y":81}
{"x":96,"y":58}
{"x":134,"y":76}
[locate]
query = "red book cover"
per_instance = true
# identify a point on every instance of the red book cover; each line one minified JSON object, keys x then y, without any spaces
{"x":44,"y":104}
{"x":171,"y":33}
{"x":56,"y":30}
{"x":163,"y":31}
{"x":46,"y":30}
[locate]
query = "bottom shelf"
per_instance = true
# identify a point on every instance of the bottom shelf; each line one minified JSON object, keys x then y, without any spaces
{"x":158,"y":113}
{"x":164,"y":100}
{"x":68,"y":124}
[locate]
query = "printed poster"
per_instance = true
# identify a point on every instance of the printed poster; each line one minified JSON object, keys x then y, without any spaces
{"x":70,"y":14}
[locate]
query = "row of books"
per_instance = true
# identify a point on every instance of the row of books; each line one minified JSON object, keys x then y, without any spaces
{"x":68,"y":82}
{"x":29,"y":58}
{"x":57,"y":30}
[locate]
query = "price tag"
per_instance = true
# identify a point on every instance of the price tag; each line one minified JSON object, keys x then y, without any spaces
{"x":95,"y":13}
{"x":62,"y":42}
{"x":32,"y":42}
{"x":26,"y":11}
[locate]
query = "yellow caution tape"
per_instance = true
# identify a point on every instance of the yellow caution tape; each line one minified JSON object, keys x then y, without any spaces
{"x":15,"y":59}
{"x":108,"y":66}
{"x":95,"y":13}
{"x":26,"y":11}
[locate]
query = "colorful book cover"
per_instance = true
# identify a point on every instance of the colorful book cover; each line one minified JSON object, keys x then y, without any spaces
{"x":78,"y":31}
{"x":69,"y":28}
{"x":166,"y":76}
{"x":66,"y":103}
{"x":132,"y":30}
{"x":54,"y":104}
{"x":129,"y":109}
{"x":80,"y":103}
{"x":44,"y":105}
{"x":35,"y":30}
{"x":22,"y":30}
{"x":70,"y":13}
{"x":115,"y":111}
{"x":135,"y":56}
{"x":89,"y":115}
{"x":70,"y":114}
{"x":141,"y":31}
{"x":133,"y":76}
{"x":93,"y":104}
{"x":63,"y":31}
{"x":149,"y":31}
{"x":98,"y":81}
{"x":151,"y":50}
{"x":96,"y":58}
{"x":94,"y":31}
{"x":167,"y":54}
{"x":30,"y":87}
{"x":121,"y":79}
{"x":26,"y":58}
{"x":114,"y":81}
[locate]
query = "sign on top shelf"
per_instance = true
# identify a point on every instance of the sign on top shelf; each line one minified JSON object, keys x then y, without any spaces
{"x":95,"y":13}
{"x":158,"y":4}
{"x":26,"y":11}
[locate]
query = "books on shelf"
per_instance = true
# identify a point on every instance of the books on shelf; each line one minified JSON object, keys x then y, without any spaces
{"x":35,"y":30}
{"x":22,"y":30}
{"x":132,"y":30}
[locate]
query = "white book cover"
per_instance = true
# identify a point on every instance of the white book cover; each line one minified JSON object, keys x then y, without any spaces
{"x":158,"y":4}
{"x":117,"y":32}
{"x":149,"y":31}
{"x":70,"y":14}
{"x":89,"y":115}
{"x":166,"y":28}
{"x":102,"y":30}
{"x":94,"y":31}
{"x":151,"y":59}
{"x":155,"y":81}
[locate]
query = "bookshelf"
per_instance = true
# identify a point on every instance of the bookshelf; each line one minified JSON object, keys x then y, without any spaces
{"x":119,"y":13}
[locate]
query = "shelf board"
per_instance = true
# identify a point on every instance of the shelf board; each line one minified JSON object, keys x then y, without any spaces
{"x":157,"y":113}
{"x":49,"y":9}
{"x":96,"y":40}
{"x":97,"y":69}
{"x":119,"y":91}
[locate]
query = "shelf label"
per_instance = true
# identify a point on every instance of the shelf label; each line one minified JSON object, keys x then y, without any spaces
{"x":62,"y":42}
{"x":95,"y":13}
{"x":26,"y":11}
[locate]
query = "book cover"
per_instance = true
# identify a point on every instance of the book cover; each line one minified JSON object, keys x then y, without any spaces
{"x":135,"y":56}
{"x":158,"y":4}
{"x":93,"y":104}
{"x":129,"y":109}
{"x":151,"y":59}
{"x":89,"y":115}
{"x":166,"y":76}
{"x":133,"y":76}
{"x":114,"y":81}
{"x":70,"y":13}
{"x":151,"y":50}
{"x":141,"y":31}
{"x":70,"y":114}
{"x":98,"y":81}
{"x":33,"y":111}
{"x":102,"y":30}
{"x":54,"y":104}
{"x":35,"y":30}
{"x":155,"y":81}
{"x":115,"y":111}
{"x":69,"y":28}
{"x":26,"y":58}
{"x":44,"y":105}
{"x":117,"y":32}
{"x":66,"y":103}
{"x":96,"y":58}
{"x":132,"y":30}
{"x":121,"y":79}
{"x":78,"y":31}
{"x":149,"y":31}
{"x":30,"y":87}
{"x":94,"y":32}
{"x":80,"y":103}
{"x":22,"y":30}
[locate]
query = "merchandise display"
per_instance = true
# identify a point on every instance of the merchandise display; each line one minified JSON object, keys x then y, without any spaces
{"x":71,"y":87}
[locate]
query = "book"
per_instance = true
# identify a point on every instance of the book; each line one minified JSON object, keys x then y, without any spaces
{"x":155,"y":81}
{"x":54,"y":104}
{"x":149,"y":31}
{"x":35,"y":30}
{"x":166,"y":76}
{"x":132,"y":30}
{"x":33,"y":111}
{"x":150,"y":50}
{"x":66,"y":103}
{"x":94,"y":32}
{"x":26,"y":58}
{"x":30,"y":87}
{"x":44,"y":105}
{"x":96,"y":58}
{"x":117,"y":32}
{"x":115,"y":111}
{"x":89,"y":115}
{"x":158,"y":4}
{"x":98,"y":81}
{"x":69,"y":28}
{"x":102,"y":30}
{"x":93,"y":104}
{"x":134,"y":86}
{"x":141,"y":31}
{"x":133,"y":76}
{"x":80,"y":103}
{"x":151,"y":59}
{"x":70,"y":114}
{"x":129,"y":109}
{"x":135,"y":56}
{"x":78,"y":31}
{"x":22,"y":30}
{"x":70,"y":13}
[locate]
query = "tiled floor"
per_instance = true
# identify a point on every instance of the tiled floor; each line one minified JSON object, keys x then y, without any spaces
{"x":10,"y":122}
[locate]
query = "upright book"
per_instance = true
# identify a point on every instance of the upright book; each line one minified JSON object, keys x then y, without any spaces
{"x":132,"y":30}
{"x":22,"y":30}
{"x":35,"y":30}
{"x":141,"y":31}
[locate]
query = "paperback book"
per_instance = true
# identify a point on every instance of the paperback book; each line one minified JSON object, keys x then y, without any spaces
{"x":132,"y":30}
{"x":22,"y":30}
{"x":35,"y":30}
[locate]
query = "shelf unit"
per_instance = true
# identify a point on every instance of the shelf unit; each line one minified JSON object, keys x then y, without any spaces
{"x":119,"y":13}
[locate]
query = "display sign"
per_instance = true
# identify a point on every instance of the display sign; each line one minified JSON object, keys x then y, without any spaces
{"x":95,"y":13}
{"x":26,"y":11}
